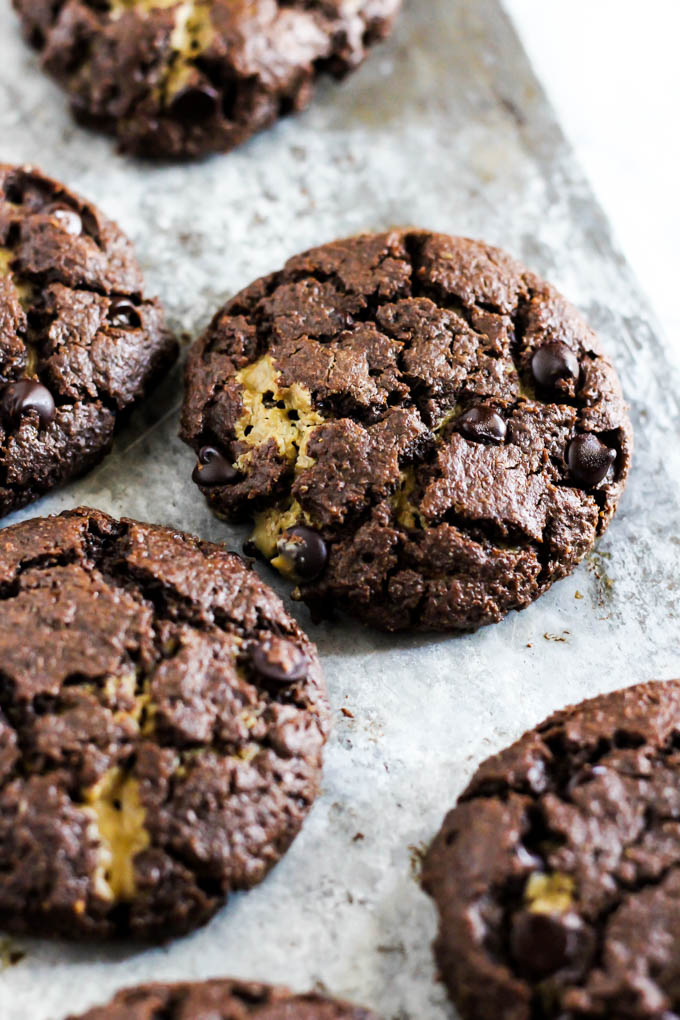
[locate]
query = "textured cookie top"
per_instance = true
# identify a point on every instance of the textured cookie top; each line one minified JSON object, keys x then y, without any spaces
{"x":427,"y":434}
{"x":78,"y":341}
{"x":222,"y":1000}
{"x":557,"y":876}
{"x":162,"y":720}
{"x":184,"y":78}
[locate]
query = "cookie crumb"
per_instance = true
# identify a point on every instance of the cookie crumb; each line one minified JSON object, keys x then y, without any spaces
{"x":559,"y":638}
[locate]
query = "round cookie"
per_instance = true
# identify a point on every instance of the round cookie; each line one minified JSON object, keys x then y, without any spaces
{"x":162,"y":721}
{"x":426,"y":434}
{"x":222,"y":998}
{"x":181,"y":79}
{"x":79,"y":343}
{"x":557,"y":876}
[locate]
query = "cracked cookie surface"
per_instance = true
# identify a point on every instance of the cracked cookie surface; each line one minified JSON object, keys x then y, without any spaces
{"x":162,"y":721}
{"x":557,"y":876}
{"x":425,"y":433}
{"x":180,"y":79}
{"x":222,"y":999}
{"x":79,"y":342}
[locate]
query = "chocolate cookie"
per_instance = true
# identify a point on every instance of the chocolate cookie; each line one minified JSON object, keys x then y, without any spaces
{"x":182,"y":79}
{"x":162,"y":721}
{"x":557,"y":876}
{"x":217,"y":999}
{"x":78,"y":341}
{"x":426,"y":433}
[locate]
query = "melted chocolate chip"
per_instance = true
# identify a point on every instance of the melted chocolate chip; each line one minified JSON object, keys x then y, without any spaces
{"x":589,"y":459}
{"x":123,"y":315}
{"x":25,"y":395}
{"x":542,"y":944}
{"x":482,"y":424}
{"x":213,"y":468}
{"x":553,"y":365}
{"x":195,"y":103}
{"x":67,"y":218}
{"x":305,"y":550}
{"x":279,"y":660}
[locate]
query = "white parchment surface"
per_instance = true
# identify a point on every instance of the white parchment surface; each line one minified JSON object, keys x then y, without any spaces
{"x":443,"y":128}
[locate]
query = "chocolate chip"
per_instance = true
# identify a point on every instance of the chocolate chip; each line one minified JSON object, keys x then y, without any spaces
{"x":279,"y":660}
{"x":554,"y":364}
{"x":539,"y":943}
{"x":589,"y":459}
{"x":195,"y":103}
{"x":305,"y":550}
{"x":123,"y":315}
{"x":25,"y":395}
{"x":213,"y":468}
{"x":482,"y":424}
{"x":544,"y":943}
{"x":67,"y":218}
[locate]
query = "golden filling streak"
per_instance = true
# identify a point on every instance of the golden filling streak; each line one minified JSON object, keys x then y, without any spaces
{"x":25,"y":291}
{"x":192,"y":35}
{"x":127,"y":686}
{"x":248,"y":752}
{"x":113,"y":803}
{"x":285,"y":415}
{"x":118,"y":7}
{"x":270,"y":525}
{"x":118,"y":823}
{"x":549,"y":894}
{"x":448,"y":417}
{"x":25,"y":294}
{"x":407,"y":515}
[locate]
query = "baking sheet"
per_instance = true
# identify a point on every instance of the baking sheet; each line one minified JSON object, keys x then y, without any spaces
{"x":445,"y":127}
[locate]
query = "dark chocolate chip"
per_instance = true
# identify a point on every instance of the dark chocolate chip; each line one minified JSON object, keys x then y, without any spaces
{"x":213,"y":468}
{"x":279,"y":660}
{"x":67,"y":218}
{"x":195,"y":103}
{"x":18,"y":397}
{"x":589,"y":459}
{"x":540,"y":943}
{"x":305,"y":550}
{"x":553,"y":364}
{"x":482,"y":424}
{"x":123,"y":315}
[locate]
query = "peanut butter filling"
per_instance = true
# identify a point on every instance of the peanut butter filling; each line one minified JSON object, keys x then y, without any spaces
{"x":118,"y":823}
{"x":549,"y":894}
{"x":286,"y":415}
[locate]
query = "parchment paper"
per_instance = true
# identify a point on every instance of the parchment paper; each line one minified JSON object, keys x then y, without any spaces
{"x":444,"y":127}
